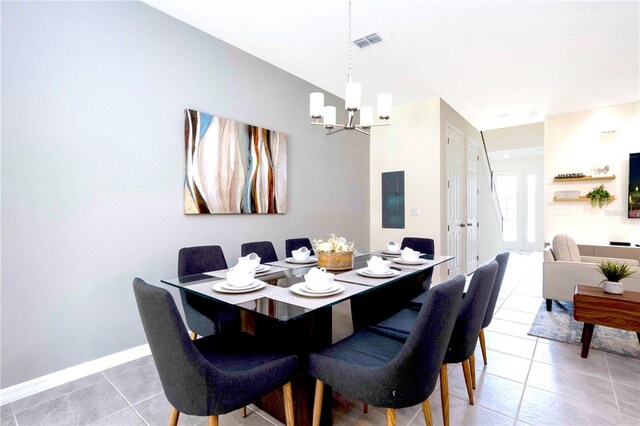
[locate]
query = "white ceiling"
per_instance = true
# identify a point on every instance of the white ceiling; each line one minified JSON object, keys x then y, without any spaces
{"x":485,"y":58}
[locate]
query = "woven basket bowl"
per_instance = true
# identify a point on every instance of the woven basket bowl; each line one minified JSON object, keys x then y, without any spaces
{"x":335,"y":261}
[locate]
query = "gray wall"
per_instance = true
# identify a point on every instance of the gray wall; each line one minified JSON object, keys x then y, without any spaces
{"x":93,"y":95}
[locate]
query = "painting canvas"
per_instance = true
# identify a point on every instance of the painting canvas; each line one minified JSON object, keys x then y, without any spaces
{"x":231,"y":167}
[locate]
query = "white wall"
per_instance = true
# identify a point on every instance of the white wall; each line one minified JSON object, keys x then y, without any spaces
{"x":573,"y":143}
{"x":515,"y":137}
{"x":93,"y":95}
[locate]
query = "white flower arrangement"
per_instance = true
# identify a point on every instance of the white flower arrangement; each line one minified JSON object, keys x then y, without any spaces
{"x":334,"y":244}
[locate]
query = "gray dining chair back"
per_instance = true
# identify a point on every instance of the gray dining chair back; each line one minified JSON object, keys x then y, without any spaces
{"x":502,"y":259}
{"x":205,"y":317}
{"x":423,"y":245}
{"x":296,"y":243}
{"x":264,"y":249}
{"x":209,"y":376}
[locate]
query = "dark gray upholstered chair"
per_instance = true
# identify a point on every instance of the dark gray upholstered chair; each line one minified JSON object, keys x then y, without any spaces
{"x":385,"y":372}
{"x":205,"y":317}
{"x":465,"y":334}
{"x":423,"y":245}
{"x":502,"y":259}
{"x":296,"y":243}
{"x":213,"y":375}
{"x":264,"y":249}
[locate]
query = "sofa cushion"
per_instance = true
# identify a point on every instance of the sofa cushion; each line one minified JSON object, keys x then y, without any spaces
{"x":565,"y":248}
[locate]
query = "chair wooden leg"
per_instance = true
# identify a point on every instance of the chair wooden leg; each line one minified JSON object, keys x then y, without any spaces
{"x":467,"y":379}
{"x":288,"y":404}
{"x":444,"y":394}
{"x":173,"y":417}
{"x":317,"y":403}
{"x":244,"y":412}
{"x":213,"y":420}
{"x":472,"y":362}
{"x":193,"y":335}
{"x":391,"y":417}
{"x":426,"y":410}
{"x":483,"y":346}
{"x":365,"y":407}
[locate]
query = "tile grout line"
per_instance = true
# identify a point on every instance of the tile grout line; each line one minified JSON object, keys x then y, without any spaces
{"x":526,"y":382}
{"x":615,"y":395}
{"x":125,"y":399}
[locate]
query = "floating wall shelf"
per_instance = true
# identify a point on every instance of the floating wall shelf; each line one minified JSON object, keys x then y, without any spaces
{"x":582,"y":198}
{"x":584,"y":178}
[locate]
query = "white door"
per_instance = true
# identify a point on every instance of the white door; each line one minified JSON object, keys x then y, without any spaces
{"x":471,"y":240}
{"x":454,"y":199}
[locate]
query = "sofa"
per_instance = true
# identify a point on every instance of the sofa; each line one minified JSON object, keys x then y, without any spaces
{"x":563,"y":268}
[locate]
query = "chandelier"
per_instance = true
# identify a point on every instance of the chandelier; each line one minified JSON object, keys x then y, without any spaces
{"x":326,"y":115}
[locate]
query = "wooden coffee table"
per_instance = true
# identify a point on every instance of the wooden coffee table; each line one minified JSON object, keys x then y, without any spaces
{"x":592,"y":306}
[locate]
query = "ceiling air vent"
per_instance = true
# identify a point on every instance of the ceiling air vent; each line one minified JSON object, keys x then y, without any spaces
{"x":368,"y":40}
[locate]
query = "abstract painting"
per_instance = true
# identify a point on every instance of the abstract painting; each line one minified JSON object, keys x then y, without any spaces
{"x":231,"y":167}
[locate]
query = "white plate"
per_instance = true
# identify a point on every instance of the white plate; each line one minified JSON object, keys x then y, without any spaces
{"x":224,"y":287}
{"x":367,"y":273}
{"x":410,"y":262}
{"x":311,"y":259}
{"x":261,"y":269}
{"x":392,"y":253}
{"x":306,"y":288}
{"x":300,"y":289}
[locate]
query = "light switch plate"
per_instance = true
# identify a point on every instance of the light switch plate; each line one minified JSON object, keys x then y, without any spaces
{"x":415,"y":211}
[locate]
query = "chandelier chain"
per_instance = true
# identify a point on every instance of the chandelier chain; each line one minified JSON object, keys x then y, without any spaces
{"x":349,"y":45}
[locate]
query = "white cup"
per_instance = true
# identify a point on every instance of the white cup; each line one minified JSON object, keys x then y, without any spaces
{"x":410,"y":255}
{"x":240,"y":277}
{"x":378,"y":267}
{"x":318,"y":279}
{"x":301,"y":254}
{"x":393,"y":247}
{"x":252,"y":261}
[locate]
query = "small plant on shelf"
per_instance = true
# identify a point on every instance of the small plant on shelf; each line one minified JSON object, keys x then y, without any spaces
{"x":600,"y":197}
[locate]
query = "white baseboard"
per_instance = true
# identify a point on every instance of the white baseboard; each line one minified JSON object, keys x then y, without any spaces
{"x":70,"y":374}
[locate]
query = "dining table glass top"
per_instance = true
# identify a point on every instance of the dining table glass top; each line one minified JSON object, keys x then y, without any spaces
{"x":281,"y":299}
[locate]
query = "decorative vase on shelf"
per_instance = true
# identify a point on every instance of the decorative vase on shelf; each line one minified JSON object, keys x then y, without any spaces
{"x":335,"y":254}
{"x":612,"y":287}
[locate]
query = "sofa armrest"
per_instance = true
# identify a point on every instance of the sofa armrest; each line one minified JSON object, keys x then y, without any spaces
{"x":593,"y":259}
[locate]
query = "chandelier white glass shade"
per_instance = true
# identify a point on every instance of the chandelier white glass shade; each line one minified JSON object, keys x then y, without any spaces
{"x":326,"y":115}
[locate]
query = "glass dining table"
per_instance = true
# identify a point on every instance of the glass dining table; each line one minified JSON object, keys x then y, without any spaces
{"x":292,"y":320}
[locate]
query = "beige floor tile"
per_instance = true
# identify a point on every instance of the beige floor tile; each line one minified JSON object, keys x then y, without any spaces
{"x":461,"y":414}
{"x":567,"y":357}
{"x":628,"y":400}
{"x":503,"y":365}
{"x":540,"y":407}
{"x":349,"y":412}
{"x":628,"y":421}
{"x":403,"y":415}
{"x":511,"y":345}
{"x":492,"y":392}
{"x":515,"y":316}
{"x":522,"y":303}
{"x":623,"y":369}
{"x":511,"y":328}
{"x":599,"y":392}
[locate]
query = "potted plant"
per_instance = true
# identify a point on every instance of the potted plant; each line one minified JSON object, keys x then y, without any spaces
{"x":335,"y":254}
{"x":599,"y":196}
{"x":613,"y":272}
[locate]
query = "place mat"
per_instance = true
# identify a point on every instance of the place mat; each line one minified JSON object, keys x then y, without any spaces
{"x":354,"y":277}
{"x":427,"y":265}
{"x":559,"y":325}
{"x":235,"y":299}
{"x":284,"y":294}
{"x":287,"y":265}
{"x":222,"y":273}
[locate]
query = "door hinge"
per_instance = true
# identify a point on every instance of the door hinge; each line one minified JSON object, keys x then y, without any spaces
{"x":447,"y":228}
{"x":478,"y":191}
{"x":478,"y":258}
{"x":478,"y":158}
{"x":448,"y":271}
{"x":478,"y":225}
{"x":447,"y":184}
{"x":447,"y":140}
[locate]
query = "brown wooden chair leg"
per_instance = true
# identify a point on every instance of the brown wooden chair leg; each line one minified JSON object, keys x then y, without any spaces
{"x":213,"y":420}
{"x":483,"y":346}
{"x":317,"y":403}
{"x":193,"y":335}
{"x":444,"y":394}
{"x":472,"y":362}
{"x":288,"y":404}
{"x":426,"y":410}
{"x":467,"y":379}
{"x":244,"y":412}
{"x":391,"y":417}
{"x":173,"y":417}
{"x":365,"y":407}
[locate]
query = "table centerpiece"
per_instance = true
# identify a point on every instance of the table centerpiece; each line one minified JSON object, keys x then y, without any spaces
{"x":335,"y":254}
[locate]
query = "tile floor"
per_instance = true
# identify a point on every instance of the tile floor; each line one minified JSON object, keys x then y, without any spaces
{"x":528,"y":380}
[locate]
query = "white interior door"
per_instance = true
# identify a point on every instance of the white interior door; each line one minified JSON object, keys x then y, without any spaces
{"x":454,"y":199}
{"x":471,"y":230}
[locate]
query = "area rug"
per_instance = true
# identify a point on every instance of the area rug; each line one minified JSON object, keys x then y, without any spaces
{"x":559,"y":325}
